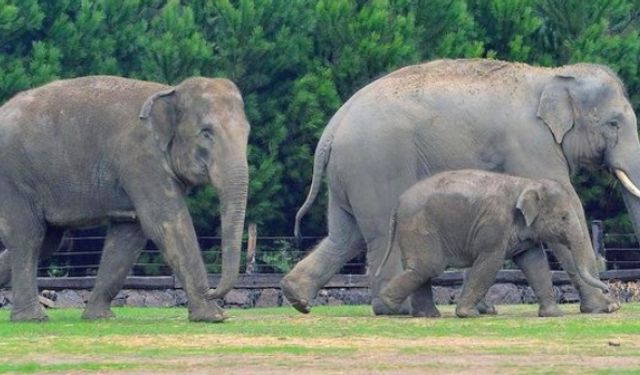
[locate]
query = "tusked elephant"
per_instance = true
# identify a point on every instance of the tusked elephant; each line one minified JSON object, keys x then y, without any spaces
{"x":105,"y":150}
{"x":477,"y":219}
{"x":443,"y":115}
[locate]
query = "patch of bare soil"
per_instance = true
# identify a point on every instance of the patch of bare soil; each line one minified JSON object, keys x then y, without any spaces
{"x":351,"y":355}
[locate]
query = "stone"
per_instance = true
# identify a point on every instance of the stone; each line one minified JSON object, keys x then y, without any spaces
{"x":268,"y":298}
{"x":238,"y":298}
{"x":120,"y":299}
{"x":135,"y":298}
{"x":500,"y":294}
{"x":68,"y":298}
{"x":528,"y":296}
{"x":5,"y":299}
{"x":181,"y":298}
{"x":46,"y":302}
{"x":332,"y":301}
{"x":160,"y":298}
{"x":49,"y":294}
{"x":442,"y":295}
{"x":569,"y":294}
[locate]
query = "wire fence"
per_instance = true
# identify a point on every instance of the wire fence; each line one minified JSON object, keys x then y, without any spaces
{"x":79,"y":255}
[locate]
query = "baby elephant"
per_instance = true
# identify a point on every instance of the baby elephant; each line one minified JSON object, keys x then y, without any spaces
{"x":477,"y":218}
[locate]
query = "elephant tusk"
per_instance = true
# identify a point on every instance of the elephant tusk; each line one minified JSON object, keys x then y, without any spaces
{"x":626,"y":182}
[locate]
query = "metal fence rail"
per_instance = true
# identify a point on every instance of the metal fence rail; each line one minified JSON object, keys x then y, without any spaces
{"x":79,"y":255}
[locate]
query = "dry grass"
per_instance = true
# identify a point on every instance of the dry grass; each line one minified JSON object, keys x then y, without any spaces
{"x":335,"y":340}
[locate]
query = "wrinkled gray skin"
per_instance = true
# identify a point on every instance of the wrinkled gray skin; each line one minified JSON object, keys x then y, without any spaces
{"x":97,"y":150}
{"x":482,"y":219}
{"x":463,"y":114}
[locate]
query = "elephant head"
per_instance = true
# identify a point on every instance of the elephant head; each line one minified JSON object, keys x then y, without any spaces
{"x":549,"y":216}
{"x":201,"y":127}
{"x":587,"y":110}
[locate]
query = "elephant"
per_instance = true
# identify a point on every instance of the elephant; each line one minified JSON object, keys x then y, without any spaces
{"x":473,"y":218}
{"x":533,"y":122}
{"x":104,"y":150}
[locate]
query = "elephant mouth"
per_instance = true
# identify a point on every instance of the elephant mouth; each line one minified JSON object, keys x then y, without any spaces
{"x":626,"y":182}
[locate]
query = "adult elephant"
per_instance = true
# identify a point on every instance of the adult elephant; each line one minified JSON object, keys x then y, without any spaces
{"x":464,"y":114}
{"x":97,"y":150}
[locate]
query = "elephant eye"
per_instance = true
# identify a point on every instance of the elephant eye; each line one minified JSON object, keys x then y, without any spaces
{"x":613,"y":124}
{"x":206,"y":133}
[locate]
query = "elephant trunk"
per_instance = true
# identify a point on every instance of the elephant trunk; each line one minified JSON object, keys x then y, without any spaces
{"x":233,"y":203}
{"x":584,"y":256}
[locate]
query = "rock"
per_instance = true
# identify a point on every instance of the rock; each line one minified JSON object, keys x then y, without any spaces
{"x":268,"y":298}
{"x":500,"y":294}
{"x":5,"y":299}
{"x":181,"y":297}
{"x":355,"y":296}
{"x":528,"y":296}
{"x":120,"y":299}
{"x":135,"y":298}
{"x":70,"y":299}
{"x":569,"y":294}
{"x":49,"y":294}
{"x":160,"y":298}
{"x":238,"y":298}
{"x":442,"y":295}
{"x":46,"y":302}
{"x":332,"y":301}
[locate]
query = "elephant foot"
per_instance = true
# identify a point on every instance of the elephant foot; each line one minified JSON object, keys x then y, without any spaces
{"x":210,"y":312}
{"x":467,"y":312}
{"x":29,"y":315}
{"x":598,"y":304}
{"x":91,"y":313}
{"x":294,"y":296}
{"x":383,"y":305}
{"x":429,"y":313}
{"x":549,"y":311}
{"x":486,"y":308}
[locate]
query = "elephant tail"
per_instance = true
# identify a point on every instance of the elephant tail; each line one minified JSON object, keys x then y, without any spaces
{"x":320,"y":160}
{"x":392,"y":238}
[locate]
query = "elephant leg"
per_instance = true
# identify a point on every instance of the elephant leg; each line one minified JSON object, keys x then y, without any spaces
{"x":592,"y":300}
{"x":123,"y":244}
{"x":422,"y":302}
{"x":23,"y":234}
{"x":50,"y":244}
{"x":484,"y":307}
{"x":343,"y":243}
{"x":423,"y":259}
{"x":400,"y":287}
{"x":479,"y":279}
{"x":535,"y":267}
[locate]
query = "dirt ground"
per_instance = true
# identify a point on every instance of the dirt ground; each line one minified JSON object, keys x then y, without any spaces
{"x":376,"y":356}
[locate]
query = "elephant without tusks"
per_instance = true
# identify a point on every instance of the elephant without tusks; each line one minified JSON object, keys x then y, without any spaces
{"x":444,"y":115}
{"x":477,"y":219}
{"x":97,"y":150}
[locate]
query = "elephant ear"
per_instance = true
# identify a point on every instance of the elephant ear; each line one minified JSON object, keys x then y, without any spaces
{"x":529,"y":204}
{"x":162,"y":121}
{"x":556,"y":106}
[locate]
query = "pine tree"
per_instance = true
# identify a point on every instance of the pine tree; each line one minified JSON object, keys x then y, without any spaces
{"x":444,"y":28}
{"x":507,"y":27}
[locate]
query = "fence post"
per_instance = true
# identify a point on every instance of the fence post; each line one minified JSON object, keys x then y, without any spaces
{"x":597,"y":238}
{"x":251,"y":248}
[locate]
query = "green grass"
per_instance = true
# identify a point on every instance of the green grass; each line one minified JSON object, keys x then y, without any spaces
{"x":327,"y":340}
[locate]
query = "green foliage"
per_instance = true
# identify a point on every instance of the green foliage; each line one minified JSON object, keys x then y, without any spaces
{"x":297,"y":61}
